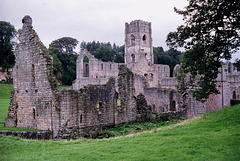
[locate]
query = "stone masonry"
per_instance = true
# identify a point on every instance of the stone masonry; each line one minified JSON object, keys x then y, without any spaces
{"x":105,"y":94}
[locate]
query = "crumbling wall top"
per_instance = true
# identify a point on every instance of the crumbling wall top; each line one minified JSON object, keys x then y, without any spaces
{"x":27,"y":20}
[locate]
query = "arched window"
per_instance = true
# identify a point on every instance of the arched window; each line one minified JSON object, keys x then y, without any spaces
{"x":144,"y":38}
{"x":102,"y":66}
{"x":234,"y":95}
{"x":151,"y":77}
{"x":132,"y":39}
{"x":80,"y":119}
{"x":229,"y":67}
{"x":133,"y":58}
{"x":34,"y":113}
{"x":85,"y":67}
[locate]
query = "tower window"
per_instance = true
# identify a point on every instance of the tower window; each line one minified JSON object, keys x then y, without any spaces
{"x":132,"y":39}
{"x":144,"y":38}
{"x":133,"y":58}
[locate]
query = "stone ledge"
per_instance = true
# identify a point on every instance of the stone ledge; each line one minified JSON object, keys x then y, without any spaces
{"x":28,"y":134}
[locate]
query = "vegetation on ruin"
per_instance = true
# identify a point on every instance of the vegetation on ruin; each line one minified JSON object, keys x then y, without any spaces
{"x":210,"y":33}
{"x":212,"y":136}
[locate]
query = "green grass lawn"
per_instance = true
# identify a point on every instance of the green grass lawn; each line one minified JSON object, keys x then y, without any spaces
{"x":61,"y":87}
{"x":212,"y":136}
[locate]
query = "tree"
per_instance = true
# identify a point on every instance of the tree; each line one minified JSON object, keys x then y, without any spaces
{"x":170,"y":57}
{"x":211,"y":33}
{"x":105,"y":51}
{"x":7,"y":33}
{"x":64,"y":44}
{"x":64,"y":59}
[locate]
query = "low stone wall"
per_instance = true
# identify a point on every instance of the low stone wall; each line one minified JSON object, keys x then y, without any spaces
{"x":28,"y":134}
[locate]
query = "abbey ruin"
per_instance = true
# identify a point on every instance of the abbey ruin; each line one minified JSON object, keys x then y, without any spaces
{"x":105,"y":93}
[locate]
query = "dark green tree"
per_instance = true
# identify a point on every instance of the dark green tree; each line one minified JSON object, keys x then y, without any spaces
{"x":170,"y":57}
{"x":64,"y":59}
{"x":7,"y":33}
{"x":105,"y":51}
{"x":211,"y":33}
{"x":64,"y":44}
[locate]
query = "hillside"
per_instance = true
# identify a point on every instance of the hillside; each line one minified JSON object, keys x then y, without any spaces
{"x":212,"y":136}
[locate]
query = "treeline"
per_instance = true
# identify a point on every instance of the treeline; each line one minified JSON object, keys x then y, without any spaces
{"x":170,"y":57}
{"x":105,"y":51}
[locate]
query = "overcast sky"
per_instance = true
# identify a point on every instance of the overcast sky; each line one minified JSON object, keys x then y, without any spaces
{"x":88,"y":20}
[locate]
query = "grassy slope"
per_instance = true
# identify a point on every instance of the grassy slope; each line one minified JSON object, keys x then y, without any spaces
{"x":5,"y":91}
{"x":215,"y":136}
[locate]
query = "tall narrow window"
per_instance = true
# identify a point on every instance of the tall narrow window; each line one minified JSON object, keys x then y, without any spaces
{"x":85,"y":67}
{"x":110,"y":66}
{"x":144,"y":38}
{"x":234,"y":95}
{"x":132,"y":39}
{"x":133,"y":58}
{"x":34,"y":114}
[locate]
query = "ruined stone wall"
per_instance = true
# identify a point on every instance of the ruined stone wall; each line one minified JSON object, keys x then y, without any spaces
{"x":127,"y":112}
{"x":33,"y":82}
{"x":193,"y":106}
{"x":94,"y":71}
{"x":163,"y":100}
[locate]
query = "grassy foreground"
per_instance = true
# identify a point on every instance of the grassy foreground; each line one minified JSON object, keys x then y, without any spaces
{"x":213,"y":136}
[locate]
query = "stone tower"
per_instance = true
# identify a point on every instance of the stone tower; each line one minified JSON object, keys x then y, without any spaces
{"x":138,"y":42}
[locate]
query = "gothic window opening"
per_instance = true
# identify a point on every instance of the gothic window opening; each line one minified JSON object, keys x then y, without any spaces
{"x":151,"y":77}
{"x":85,"y":67}
{"x":144,"y":38}
{"x":110,"y":66}
{"x":133,"y":58}
{"x":34,"y":113}
{"x":234,"y":95}
{"x":132,"y":39}
{"x":33,"y":72}
{"x":102,"y":66}
{"x":229,"y":68}
{"x":80,"y":119}
{"x":146,"y":76}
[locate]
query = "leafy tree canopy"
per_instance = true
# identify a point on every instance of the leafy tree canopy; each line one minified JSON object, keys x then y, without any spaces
{"x":64,"y":59}
{"x":170,"y":57}
{"x":105,"y":51}
{"x":7,"y":33}
{"x":210,"y":33}
{"x":64,"y":45}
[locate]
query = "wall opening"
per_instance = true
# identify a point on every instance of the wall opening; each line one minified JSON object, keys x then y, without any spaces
{"x":144,"y":38}
{"x":80,"y":119}
{"x":132,"y":39}
{"x":34,"y":113}
{"x":229,"y":68}
{"x":133,"y":58}
{"x":33,"y":72}
{"x":85,"y":67}
{"x":102,"y":66}
{"x":110,"y":66}
{"x":234,"y":95}
{"x":151,"y":77}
